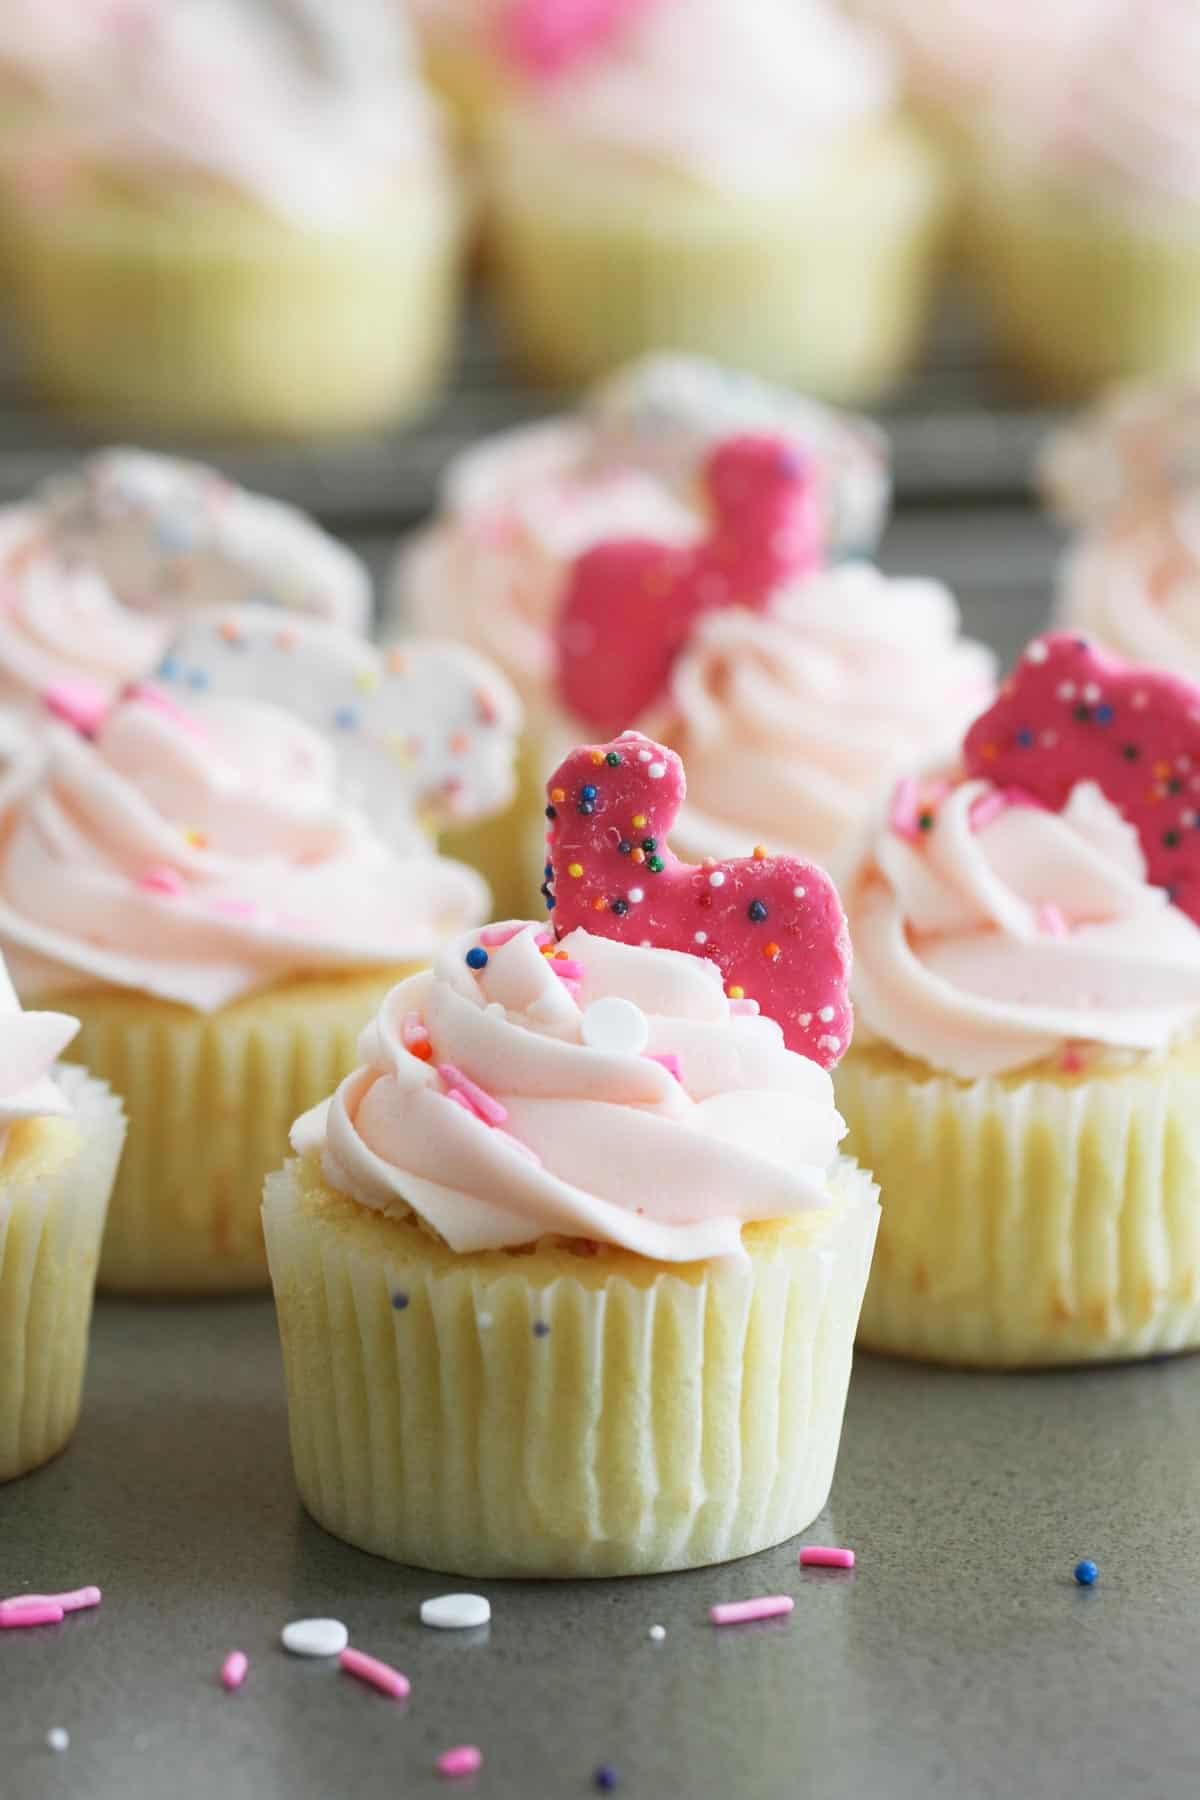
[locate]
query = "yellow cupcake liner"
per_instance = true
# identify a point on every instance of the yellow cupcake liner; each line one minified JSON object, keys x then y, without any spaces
{"x":1031,"y":1219}
{"x":553,"y":1414}
{"x":191,"y":310}
{"x":1080,"y":294}
{"x":508,"y":849}
{"x":830,"y":288}
{"x":55,"y":1179}
{"x":211,"y":1098}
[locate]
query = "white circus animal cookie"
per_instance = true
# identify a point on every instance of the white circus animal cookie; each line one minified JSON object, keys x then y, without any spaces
{"x":170,"y":536}
{"x":424,"y":734}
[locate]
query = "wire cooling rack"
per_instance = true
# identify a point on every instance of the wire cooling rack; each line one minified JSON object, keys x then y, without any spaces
{"x":960,"y":434}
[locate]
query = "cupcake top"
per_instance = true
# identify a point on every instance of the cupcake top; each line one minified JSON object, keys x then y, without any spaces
{"x":609,"y":1078}
{"x":792,"y":722}
{"x":30,"y":1045}
{"x":1039,"y":898}
{"x":738,"y":98}
{"x":1139,"y":442}
{"x":1133,"y":582}
{"x":312,"y":111}
{"x":169,"y":535}
{"x":194,"y":843}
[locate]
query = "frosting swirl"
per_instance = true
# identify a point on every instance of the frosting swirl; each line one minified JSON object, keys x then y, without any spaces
{"x":199,"y":854}
{"x":1133,"y":582}
{"x":171,"y":536}
{"x":1005,"y":934}
{"x":563,"y":1127}
{"x":1139,"y":442}
{"x":792,"y":723}
{"x":30,"y":1045}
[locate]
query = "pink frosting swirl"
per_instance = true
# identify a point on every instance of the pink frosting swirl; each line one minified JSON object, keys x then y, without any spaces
{"x":1005,"y":934}
{"x":1133,"y":583}
{"x":793,"y":723}
{"x":30,"y":1045}
{"x":198,"y":855}
{"x":1140,"y":441}
{"x":60,"y":622}
{"x":662,"y":1130}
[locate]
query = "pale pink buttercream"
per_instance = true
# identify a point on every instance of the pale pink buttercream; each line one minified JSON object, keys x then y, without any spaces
{"x":981,"y":948}
{"x":595,"y":1144}
{"x":793,"y":724}
{"x":1133,"y":582}
{"x":1139,"y":442}
{"x":198,"y":853}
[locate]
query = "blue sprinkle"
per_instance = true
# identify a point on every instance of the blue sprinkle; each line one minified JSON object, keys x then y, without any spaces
{"x":477,"y":958}
{"x":540,"y":1328}
{"x":345,"y":718}
{"x":756,"y":911}
{"x":1025,"y":738}
{"x":168,"y":668}
{"x":619,"y":907}
{"x":1103,"y":714}
{"x":399,"y":1301}
{"x":587,"y":808}
{"x":197,"y":678}
{"x":605,"y":1777}
{"x":625,"y":847}
{"x":551,"y":903}
{"x":1086,"y":1572}
{"x":587,"y":791}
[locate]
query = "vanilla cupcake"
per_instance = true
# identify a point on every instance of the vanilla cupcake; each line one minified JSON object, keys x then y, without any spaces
{"x":60,"y":1141}
{"x":1087,"y":230}
{"x":194,"y":876}
{"x":1133,"y":582}
{"x":715,"y":178}
{"x":1026,"y":1074}
{"x":239,"y":219}
{"x":568,"y":1269}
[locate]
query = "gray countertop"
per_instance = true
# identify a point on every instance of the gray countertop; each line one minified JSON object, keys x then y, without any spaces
{"x":959,"y":1658}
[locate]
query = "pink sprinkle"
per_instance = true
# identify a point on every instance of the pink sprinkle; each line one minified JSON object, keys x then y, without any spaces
{"x":81,"y":704}
{"x":74,"y":1601}
{"x":525,"y":1149}
{"x":543,"y":938}
{"x":738,"y":1612}
{"x":460,"y":1099}
{"x":902,"y":815}
{"x":376,"y":1674}
{"x":464,"y":1759}
{"x":574,"y":988}
{"x":163,"y":703}
{"x":495,"y":935}
{"x":567,"y":968}
{"x":234,"y":1669}
{"x":161,"y":879}
{"x":826,"y":1556}
{"x":45,"y":1612}
{"x":236,"y":909}
{"x":1051,"y":920}
{"x":489,"y":1110}
{"x":987,"y":808}
{"x":413,"y":1030}
{"x":668,"y":1060}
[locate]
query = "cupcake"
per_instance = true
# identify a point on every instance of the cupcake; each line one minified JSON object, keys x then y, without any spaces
{"x":1139,"y":442}
{"x":1026,"y":1075}
{"x":169,"y":535}
{"x":703,"y":176}
{"x":251,"y":225}
{"x":60,"y":1141}
{"x":193,"y":876}
{"x":1133,"y":582}
{"x":1086,"y":238}
{"x":582,"y":1199}
{"x":777,"y":675}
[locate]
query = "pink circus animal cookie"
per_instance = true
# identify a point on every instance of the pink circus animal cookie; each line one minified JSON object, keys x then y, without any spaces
{"x":423,"y":733}
{"x":773,"y":925}
{"x":630,"y":606}
{"x":546,"y":38}
{"x":1070,"y":714}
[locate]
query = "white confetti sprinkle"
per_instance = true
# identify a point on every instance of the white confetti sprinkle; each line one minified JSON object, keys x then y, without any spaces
{"x":58,"y":1739}
{"x":798,"y":893}
{"x":701,"y":937}
{"x":828,"y":1042}
{"x":615,"y":1025}
{"x":1037,"y":652}
{"x":656,"y":771}
{"x":1066,"y":690}
{"x":825,"y":1014}
{"x":717,"y":878}
{"x":658,"y":1633}
{"x":634,"y":895}
{"x":1091,"y":693}
{"x":455,"y":1612}
{"x":315,"y":1637}
{"x":644,"y":755}
{"x":805,"y":1019}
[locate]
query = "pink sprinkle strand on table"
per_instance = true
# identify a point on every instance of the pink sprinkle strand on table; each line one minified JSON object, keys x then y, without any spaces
{"x":376,"y":1674}
{"x":16,"y":1618}
{"x":76,"y":1600}
{"x":234,"y":1669}
{"x":489,"y":1110}
{"x":826,"y":1556}
{"x":740,"y":1612}
{"x":464,"y":1759}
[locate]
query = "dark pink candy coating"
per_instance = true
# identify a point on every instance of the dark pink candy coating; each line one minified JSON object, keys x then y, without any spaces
{"x":1070,"y":713}
{"x":788,"y":950}
{"x":630,"y":604}
{"x":545,"y":38}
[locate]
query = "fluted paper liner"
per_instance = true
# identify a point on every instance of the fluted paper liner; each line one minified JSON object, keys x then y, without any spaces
{"x":550,"y":1414}
{"x":1032,"y":1219}
{"x":54,"y":1188}
{"x":211,"y":1098}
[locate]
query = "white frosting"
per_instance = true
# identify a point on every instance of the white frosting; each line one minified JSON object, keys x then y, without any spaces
{"x":1133,"y":583}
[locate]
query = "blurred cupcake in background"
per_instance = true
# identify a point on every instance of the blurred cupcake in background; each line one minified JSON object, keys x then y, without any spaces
{"x":1086,"y":234}
{"x":240,"y":218}
{"x":1139,"y":441}
{"x":703,"y":175}
{"x":226,"y":870}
